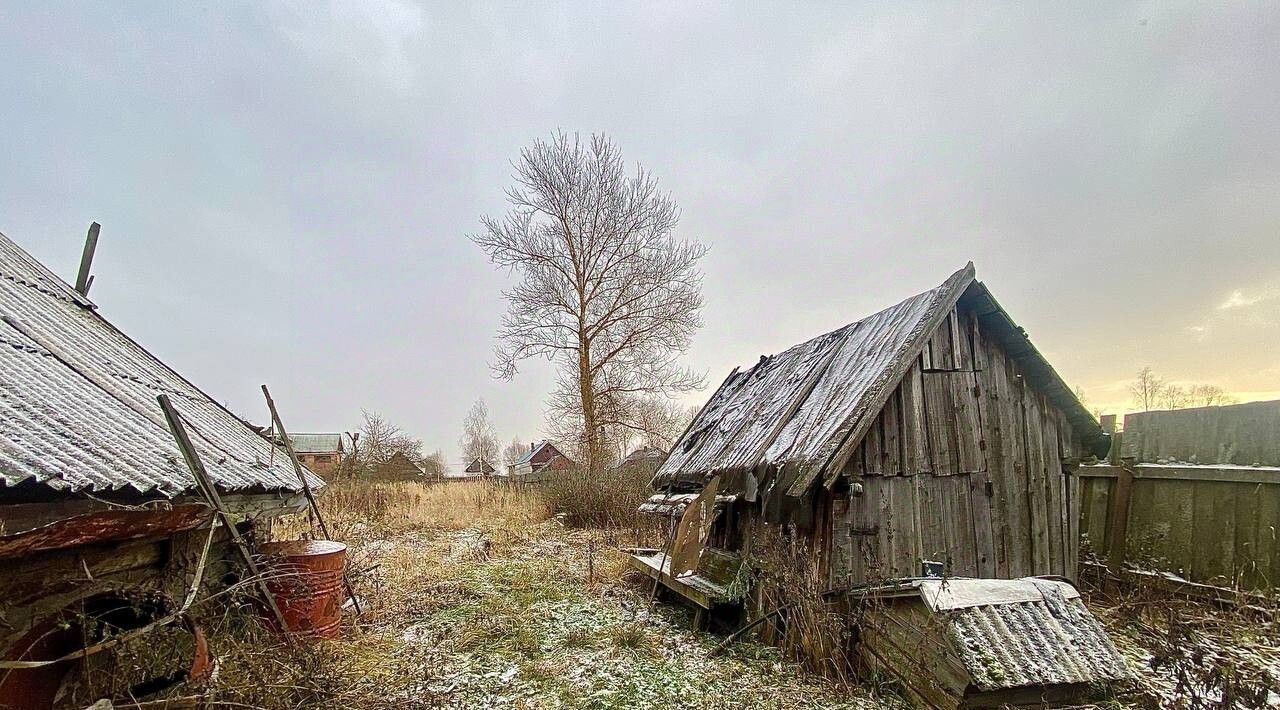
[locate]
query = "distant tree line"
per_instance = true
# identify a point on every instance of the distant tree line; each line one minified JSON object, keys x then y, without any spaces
{"x":1150,"y":391}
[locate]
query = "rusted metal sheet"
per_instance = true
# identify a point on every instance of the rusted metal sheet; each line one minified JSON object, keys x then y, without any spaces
{"x":104,"y":526}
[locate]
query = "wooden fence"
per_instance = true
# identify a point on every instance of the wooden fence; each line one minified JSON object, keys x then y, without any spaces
{"x":1175,"y":497}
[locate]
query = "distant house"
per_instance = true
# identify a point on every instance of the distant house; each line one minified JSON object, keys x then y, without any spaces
{"x":321,"y":453}
{"x":542,"y":458}
{"x":480,"y":468}
{"x":645,"y":458}
{"x":398,"y":468}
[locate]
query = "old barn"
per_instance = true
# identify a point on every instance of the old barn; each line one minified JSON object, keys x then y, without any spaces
{"x":100,"y":519}
{"x":928,"y":439}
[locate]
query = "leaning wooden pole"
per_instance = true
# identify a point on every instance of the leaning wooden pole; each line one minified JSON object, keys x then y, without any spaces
{"x":306,"y":487}
{"x":211,"y":496}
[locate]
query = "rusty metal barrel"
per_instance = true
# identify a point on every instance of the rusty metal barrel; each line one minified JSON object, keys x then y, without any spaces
{"x":305,"y":578}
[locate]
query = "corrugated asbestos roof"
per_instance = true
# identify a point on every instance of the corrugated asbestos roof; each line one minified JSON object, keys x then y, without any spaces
{"x":316,"y":443}
{"x":1054,"y":640}
{"x":78,"y":404}
{"x":804,"y":406}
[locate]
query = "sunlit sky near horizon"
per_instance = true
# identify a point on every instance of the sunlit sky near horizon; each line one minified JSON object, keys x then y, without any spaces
{"x":286,"y":188}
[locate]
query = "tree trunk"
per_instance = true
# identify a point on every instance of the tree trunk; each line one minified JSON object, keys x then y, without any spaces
{"x":586,"y":389}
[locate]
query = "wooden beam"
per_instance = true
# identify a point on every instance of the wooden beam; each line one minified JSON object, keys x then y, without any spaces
{"x":306,"y":487}
{"x":1117,"y":540}
{"x":210,"y":492}
{"x":86,"y":259}
{"x":1215,"y":474}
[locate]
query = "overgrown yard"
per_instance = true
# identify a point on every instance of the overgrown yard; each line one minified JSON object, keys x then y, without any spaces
{"x":477,"y":595}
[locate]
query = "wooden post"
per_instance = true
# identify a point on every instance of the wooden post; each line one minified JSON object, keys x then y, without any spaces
{"x":210,"y":492}
{"x":306,"y":487}
{"x":86,"y":259}
{"x":1117,"y":542}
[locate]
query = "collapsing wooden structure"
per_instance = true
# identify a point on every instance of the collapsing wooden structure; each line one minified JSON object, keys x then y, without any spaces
{"x":100,"y":518}
{"x":932,"y":431}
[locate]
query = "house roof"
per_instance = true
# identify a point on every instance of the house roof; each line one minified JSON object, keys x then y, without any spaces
{"x":807,"y":407}
{"x":316,"y":443}
{"x":78,"y":404}
{"x":535,"y":450}
{"x":644,"y":454}
{"x":474,"y":467}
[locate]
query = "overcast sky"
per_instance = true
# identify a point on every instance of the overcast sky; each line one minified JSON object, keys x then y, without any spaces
{"x":285,"y":190}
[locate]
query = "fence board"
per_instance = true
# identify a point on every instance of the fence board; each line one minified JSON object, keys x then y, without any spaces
{"x":1214,"y":525}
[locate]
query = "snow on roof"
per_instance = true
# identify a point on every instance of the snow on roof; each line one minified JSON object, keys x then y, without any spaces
{"x":799,"y":407}
{"x":78,"y":404}
{"x":316,"y":443}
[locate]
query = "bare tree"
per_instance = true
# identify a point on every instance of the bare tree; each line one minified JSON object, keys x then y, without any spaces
{"x":1146,"y":389}
{"x":607,"y":291}
{"x":380,"y":440}
{"x":478,"y":439}
{"x":1209,"y":396}
{"x":515,"y":451}
{"x":433,"y":464}
{"x":1174,"y":396}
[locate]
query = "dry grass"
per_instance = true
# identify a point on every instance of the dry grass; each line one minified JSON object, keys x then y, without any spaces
{"x":356,"y":509}
{"x":477,"y":596}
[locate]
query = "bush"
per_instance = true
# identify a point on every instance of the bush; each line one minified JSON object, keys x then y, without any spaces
{"x":604,"y":500}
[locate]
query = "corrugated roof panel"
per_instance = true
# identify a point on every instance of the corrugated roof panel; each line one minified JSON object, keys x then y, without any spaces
{"x":796,"y":407}
{"x":1054,"y":641}
{"x":316,"y":443}
{"x":78,"y":401}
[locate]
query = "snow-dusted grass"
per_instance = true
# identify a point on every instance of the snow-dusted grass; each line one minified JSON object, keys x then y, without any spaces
{"x":511,"y":610}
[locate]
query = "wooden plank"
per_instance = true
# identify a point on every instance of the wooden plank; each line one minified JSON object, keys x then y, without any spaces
{"x":916,"y":457}
{"x":1055,"y":491}
{"x":981,"y":503}
{"x":1249,"y":547}
{"x":891,"y":425}
{"x":940,"y":424}
{"x":1118,"y":519}
{"x":964,"y":401}
{"x":941,"y":350}
{"x":1037,"y":486}
{"x":947,"y":533}
{"x":1268,"y":476}
{"x":873,"y":449}
{"x":1022,"y":508}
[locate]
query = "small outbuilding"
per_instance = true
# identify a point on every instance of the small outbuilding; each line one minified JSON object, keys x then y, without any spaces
{"x":928,"y":439}
{"x":101,"y":524}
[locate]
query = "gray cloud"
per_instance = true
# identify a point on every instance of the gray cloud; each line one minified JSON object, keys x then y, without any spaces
{"x":285,"y":190}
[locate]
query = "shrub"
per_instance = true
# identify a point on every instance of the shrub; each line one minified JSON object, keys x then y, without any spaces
{"x":603,"y":500}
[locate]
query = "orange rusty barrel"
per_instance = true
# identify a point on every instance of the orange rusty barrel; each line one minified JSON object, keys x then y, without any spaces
{"x":305,"y":578}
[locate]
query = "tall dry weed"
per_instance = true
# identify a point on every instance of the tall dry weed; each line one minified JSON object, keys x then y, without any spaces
{"x":811,"y":629}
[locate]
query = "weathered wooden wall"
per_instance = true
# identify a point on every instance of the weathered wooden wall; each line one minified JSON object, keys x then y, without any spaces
{"x":1243,"y":434}
{"x":1212,"y":525}
{"x":963,"y":465}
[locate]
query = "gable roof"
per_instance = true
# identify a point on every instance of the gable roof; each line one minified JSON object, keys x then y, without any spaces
{"x":807,"y":407}
{"x":538,"y":449}
{"x":78,"y":404}
{"x":644,"y":454}
{"x":316,"y":443}
{"x":474,"y":467}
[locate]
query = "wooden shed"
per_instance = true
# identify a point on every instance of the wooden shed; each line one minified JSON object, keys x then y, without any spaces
{"x":101,"y":524}
{"x":932,"y":430}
